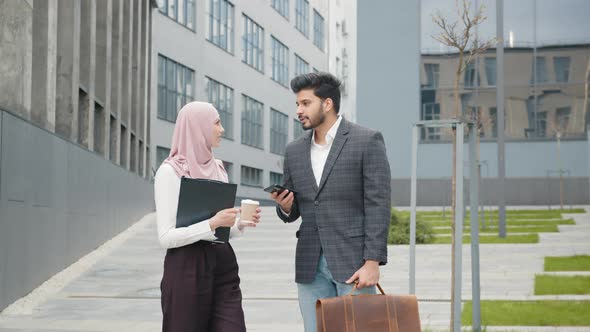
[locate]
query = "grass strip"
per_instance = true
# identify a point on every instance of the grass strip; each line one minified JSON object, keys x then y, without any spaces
{"x":521,"y":238}
{"x":561,"y":285}
{"x":567,"y":263}
{"x":530,"y":313}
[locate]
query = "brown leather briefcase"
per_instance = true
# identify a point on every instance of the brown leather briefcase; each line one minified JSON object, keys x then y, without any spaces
{"x":368,"y":313}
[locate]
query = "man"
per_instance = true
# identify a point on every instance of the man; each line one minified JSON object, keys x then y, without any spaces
{"x":341,"y":175}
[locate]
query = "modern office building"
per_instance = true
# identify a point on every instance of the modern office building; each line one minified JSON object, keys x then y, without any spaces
{"x":342,"y":52}
{"x":240,"y":56}
{"x":404,"y":76}
{"x":74,"y":139}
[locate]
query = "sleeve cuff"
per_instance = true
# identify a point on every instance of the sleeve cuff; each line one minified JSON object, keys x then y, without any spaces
{"x":285,"y":214}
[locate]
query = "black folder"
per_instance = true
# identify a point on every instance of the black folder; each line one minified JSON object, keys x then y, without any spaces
{"x":201,"y":199}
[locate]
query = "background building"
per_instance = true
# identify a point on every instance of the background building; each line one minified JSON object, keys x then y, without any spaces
{"x":342,"y":52}
{"x":240,"y":56}
{"x":74,"y":139}
{"x":404,"y":75}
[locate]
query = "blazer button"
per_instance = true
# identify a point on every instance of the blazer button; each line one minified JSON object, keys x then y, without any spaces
{"x":316,"y":203}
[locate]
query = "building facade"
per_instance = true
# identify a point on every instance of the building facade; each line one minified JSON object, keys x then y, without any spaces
{"x":240,"y":56}
{"x":74,"y":139}
{"x":342,"y":52}
{"x":546,"y":73}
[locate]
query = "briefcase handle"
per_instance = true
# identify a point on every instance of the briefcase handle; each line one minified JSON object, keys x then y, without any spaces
{"x":356,"y":282}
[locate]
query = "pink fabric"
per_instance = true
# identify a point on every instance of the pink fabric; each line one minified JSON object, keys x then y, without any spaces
{"x":191,"y":155}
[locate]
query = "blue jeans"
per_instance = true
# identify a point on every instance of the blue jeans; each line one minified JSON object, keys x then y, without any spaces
{"x":323,"y":286}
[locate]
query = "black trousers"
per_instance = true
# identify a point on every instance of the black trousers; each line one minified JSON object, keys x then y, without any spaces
{"x":201,"y":289}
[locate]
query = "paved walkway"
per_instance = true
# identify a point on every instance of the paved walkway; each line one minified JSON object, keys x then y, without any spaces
{"x":120,"y":291}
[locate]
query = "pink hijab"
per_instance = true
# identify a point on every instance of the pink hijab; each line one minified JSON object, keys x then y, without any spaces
{"x":191,"y":155}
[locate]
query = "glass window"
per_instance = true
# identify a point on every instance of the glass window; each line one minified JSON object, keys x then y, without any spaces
{"x":301,"y":66}
{"x":432,"y":75}
{"x":251,"y":176}
{"x":221,"y":96}
{"x":278,"y":131}
{"x":221,"y":24}
{"x":182,"y":11}
{"x":229,"y":168}
{"x":280,"y":62}
{"x":490,"y":64}
{"x":281,"y":6}
{"x":252,"y":122}
{"x":175,"y":87}
{"x":562,"y":119}
{"x":540,"y":70}
{"x":493,"y":121}
{"x":302,"y":17}
{"x":542,"y":124}
{"x":562,"y":68}
{"x":190,"y":14}
{"x":161,"y":154}
{"x":276,"y":178}
{"x":297,"y":129}
{"x":171,"y":11}
{"x":431,"y":111}
{"x":318,"y":30}
{"x":470,"y":75}
{"x":253,"y":44}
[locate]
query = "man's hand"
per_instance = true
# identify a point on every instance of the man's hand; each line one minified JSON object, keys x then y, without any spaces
{"x":284,"y":199}
{"x":367,"y":275}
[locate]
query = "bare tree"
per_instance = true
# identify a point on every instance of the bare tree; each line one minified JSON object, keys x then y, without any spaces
{"x":460,"y":35}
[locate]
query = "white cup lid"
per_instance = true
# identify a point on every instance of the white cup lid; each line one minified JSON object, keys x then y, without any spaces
{"x":249,"y":201}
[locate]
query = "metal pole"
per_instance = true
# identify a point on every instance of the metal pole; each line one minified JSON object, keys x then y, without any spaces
{"x":500,"y":116}
{"x":474,"y":202}
{"x":560,"y":171}
{"x":413,"y":211}
{"x":458,"y":229}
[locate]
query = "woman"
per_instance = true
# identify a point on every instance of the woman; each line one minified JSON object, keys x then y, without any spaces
{"x":200,"y":286}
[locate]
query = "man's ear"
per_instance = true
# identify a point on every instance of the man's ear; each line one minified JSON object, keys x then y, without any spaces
{"x":329,"y":104}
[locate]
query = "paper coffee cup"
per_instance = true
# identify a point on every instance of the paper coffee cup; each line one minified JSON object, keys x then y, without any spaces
{"x":248,"y":209}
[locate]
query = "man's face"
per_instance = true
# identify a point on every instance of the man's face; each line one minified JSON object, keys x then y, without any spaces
{"x":310,"y":109}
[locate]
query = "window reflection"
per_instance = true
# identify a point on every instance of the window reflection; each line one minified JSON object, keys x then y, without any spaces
{"x":546,"y":65}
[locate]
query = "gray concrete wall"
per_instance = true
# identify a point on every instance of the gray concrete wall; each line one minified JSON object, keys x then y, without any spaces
{"x":519,"y":191}
{"x":58,"y":201}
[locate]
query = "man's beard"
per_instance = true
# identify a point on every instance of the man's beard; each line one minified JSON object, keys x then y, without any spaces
{"x":321,"y":119}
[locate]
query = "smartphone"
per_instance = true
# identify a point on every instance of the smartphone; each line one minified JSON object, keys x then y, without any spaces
{"x":278,"y":188}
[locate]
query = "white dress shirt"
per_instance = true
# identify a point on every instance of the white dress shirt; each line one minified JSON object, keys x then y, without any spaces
{"x":166,"y":192}
{"x":319,"y":152}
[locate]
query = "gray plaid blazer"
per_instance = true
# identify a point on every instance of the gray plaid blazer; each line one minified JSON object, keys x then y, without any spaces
{"x":347,"y":216}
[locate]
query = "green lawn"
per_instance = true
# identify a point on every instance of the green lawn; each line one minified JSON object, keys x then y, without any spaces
{"x":509,"y":213}
{"x":526,"y":238}
{"x":488,"y":223}
{"x":535,"y":229}
{"x":568,"y":263}
{"x":530,"y":313}
{"x":530,"y":222}
{"x":558,"y":285}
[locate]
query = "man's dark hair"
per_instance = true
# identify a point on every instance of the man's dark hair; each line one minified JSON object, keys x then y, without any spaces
{"x":324,"y":85}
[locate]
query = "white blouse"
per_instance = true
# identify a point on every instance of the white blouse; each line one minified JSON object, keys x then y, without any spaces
{"x":166,"y":192}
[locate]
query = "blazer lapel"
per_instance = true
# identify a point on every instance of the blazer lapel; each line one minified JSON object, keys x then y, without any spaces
{"x":337,"y":145}
{"x":306,"y":146}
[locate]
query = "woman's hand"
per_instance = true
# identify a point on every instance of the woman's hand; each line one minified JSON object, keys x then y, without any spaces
{"x":255,"y":220}
{"x":224,"y":218}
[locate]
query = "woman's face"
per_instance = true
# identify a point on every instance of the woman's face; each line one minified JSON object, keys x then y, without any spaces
{"x":217,"y":133}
